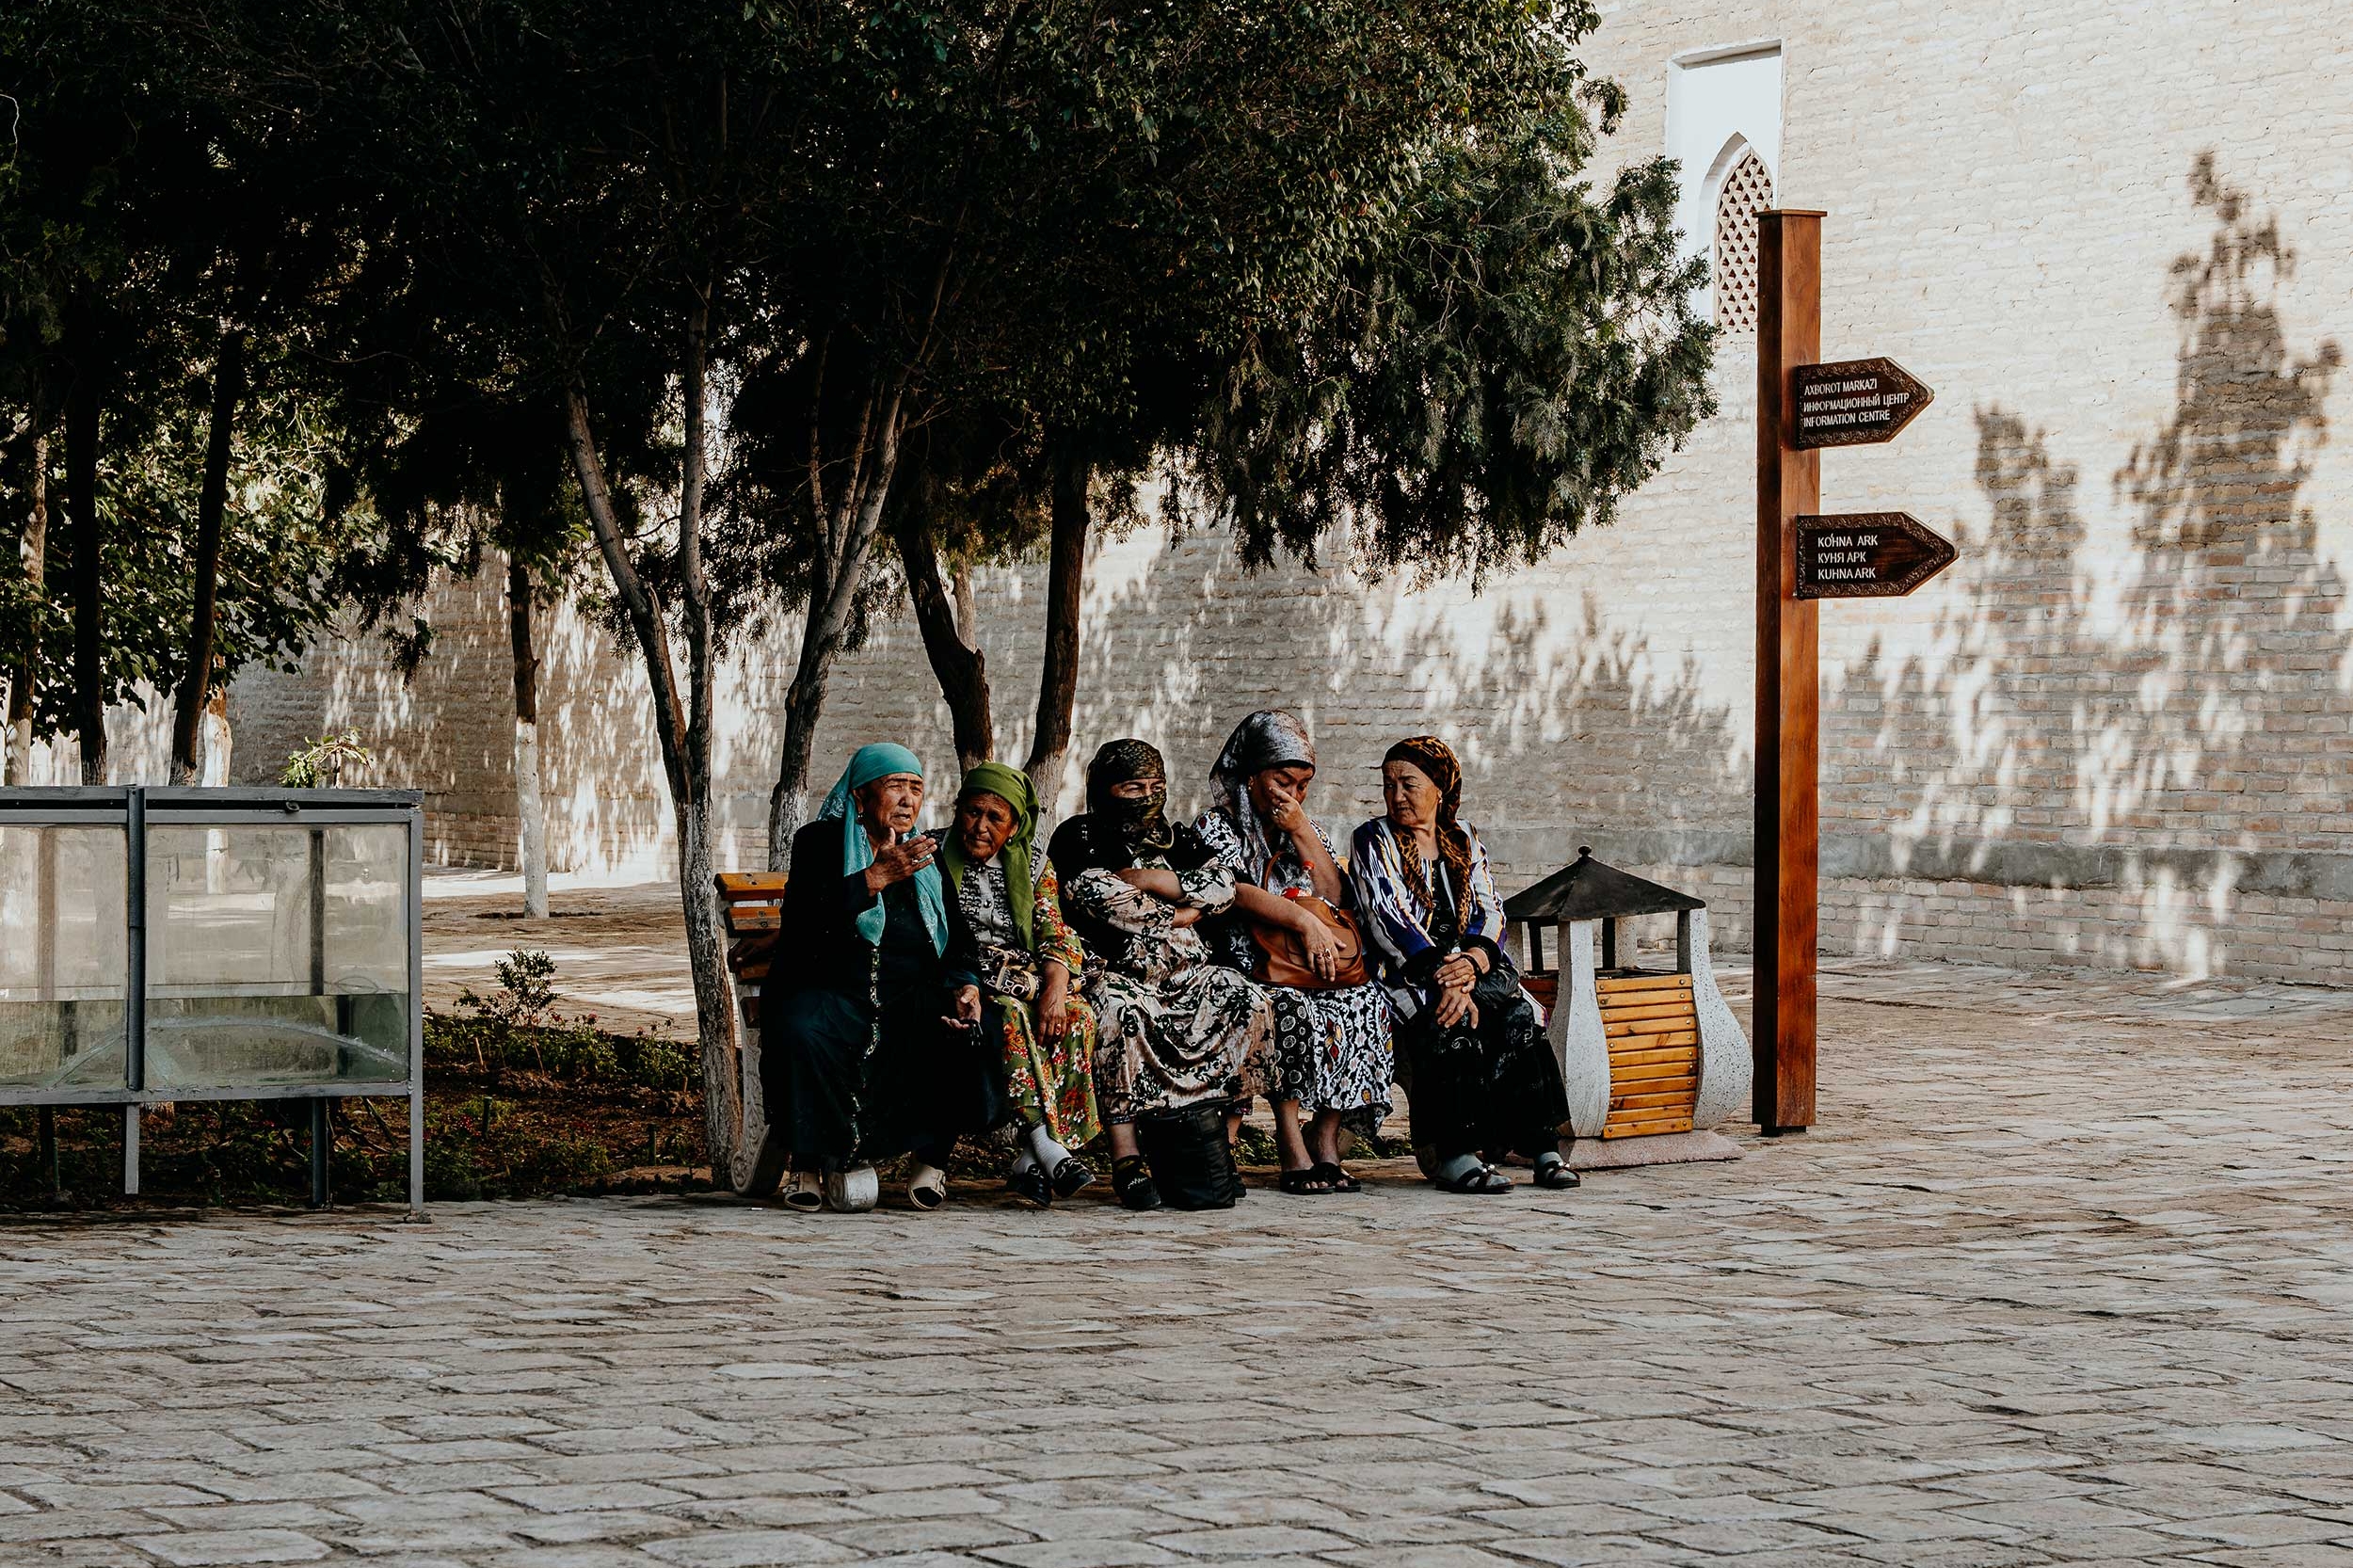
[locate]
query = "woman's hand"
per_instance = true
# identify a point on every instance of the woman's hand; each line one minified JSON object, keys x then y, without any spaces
{"x":1053,"y":1003}
{"x":1284,"y":811}
{"x":1322,"y":944}
{"x":1454,"y":1005}
{"x":967,"y":1008}
{"x":1458,"y":973}
{"x":1182,"y":917}
{"x":899,"y":861}
{"x":1160,"y":884}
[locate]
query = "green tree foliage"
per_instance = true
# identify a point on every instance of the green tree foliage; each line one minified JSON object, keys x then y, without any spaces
{"x":162,"y":246}
{"x":1517,"y":353}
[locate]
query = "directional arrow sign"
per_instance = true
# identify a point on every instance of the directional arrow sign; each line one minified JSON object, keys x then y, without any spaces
{"x":1853,"y":403}
{"x":1867,"y":555}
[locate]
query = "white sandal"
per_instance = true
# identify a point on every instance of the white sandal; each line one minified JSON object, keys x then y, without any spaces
{"x":854,"y":1190}
{"x":927,"y":1187}
{"x":805,"y":1192}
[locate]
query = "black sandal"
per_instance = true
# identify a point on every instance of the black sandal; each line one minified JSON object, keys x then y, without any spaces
{"x":1477,"y":1179}
{"x":1309,"y":1182}
{"x":1555,"y":1173}
{"x":1335,"y":1178}
{"x":1028,"y":1183}
{"x":1071,"y":1176}
{"x":1132,"y":1184}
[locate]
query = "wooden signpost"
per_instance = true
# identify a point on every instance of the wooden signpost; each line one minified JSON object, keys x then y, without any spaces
{"x":1803,"y":557}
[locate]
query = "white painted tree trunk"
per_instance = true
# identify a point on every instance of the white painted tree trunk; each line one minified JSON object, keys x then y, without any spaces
{"x":532,"y":812}
{"x":529,"y":805}
{"x":216,"y":740}
{"x":213,"y":738}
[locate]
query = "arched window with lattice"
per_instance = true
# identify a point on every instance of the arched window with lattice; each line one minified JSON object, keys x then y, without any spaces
{"x":1747,"y":191}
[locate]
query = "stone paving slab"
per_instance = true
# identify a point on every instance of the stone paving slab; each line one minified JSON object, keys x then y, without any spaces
{"x":2062,"y":1277}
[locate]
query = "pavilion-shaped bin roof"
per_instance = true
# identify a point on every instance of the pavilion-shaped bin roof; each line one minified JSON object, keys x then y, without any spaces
{"x":1588,"y":890}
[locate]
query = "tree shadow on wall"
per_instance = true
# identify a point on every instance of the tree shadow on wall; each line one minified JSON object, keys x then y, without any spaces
{"x":2170,"y":708}
{"x":1571,"y":729}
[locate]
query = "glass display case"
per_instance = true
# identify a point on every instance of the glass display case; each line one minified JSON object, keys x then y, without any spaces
{"x":174,"y":944}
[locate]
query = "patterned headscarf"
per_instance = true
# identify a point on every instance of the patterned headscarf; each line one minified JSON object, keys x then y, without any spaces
{"x":882,"y":760}
{"x":1012,"y":786}
{"x":1141,"y":824}
{"x":1266,"y":739}
{"x":1435,"y":759}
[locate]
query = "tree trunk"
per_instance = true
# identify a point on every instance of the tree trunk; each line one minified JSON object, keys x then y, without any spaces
{"x":215,"y":777}
{"x":968,"y":611}
{"x":81,"y":486}
{"x":528,"y":805}
{"x":213,"y":773}
{"x":960,"y":667}
{"x":196,"y":684}
{"x":740,"y":1155}
{"x":1058,"y":679}
{"x":17,"y":768}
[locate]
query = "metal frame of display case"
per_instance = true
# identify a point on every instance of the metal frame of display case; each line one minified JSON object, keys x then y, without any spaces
{"x":134,"y":808}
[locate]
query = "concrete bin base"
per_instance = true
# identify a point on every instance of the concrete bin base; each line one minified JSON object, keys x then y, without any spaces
{"x":1666,"y":1148}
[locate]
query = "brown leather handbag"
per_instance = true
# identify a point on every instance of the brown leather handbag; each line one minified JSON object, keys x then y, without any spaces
{"x":1283,"y":958}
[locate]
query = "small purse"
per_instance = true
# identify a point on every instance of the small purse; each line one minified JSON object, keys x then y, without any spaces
{"x":1283,"y":958}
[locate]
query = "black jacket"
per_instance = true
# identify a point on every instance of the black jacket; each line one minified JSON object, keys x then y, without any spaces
{"x":818,"y":943}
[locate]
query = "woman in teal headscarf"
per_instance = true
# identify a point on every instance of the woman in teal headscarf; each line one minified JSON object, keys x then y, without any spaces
{"x":1003,"y":890}
{"x":868,"y":1044}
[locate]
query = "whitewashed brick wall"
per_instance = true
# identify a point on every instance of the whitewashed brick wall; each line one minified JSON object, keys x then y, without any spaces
{"x":2117,"y":733}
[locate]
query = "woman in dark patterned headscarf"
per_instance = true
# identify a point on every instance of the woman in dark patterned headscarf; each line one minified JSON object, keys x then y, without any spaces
{"x":1478,"y":1071}
{"x":1333,"y":1040}
{"x":1174,"y":1030}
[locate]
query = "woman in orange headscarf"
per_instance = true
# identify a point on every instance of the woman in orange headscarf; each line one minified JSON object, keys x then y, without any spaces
{"x":1478,"y":1071}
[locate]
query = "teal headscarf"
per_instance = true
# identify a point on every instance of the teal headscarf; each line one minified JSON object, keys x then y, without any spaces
{"x":858,"y":851}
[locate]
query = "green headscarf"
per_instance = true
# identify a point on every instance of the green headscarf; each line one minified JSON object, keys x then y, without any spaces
{"x":1012,"y":786}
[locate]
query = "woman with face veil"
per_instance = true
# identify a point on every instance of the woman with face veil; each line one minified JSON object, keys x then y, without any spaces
{"x":869,"y":1025}
{"x":1478,"y":1071}
{"x":1332,"y":1039}
{"x":1175,"y":1030}
{"x":1006,"y":896}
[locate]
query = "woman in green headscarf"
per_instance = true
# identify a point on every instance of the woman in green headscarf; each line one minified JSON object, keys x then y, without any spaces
{"x":869,"y":1025}
{"x":1004,"y":893}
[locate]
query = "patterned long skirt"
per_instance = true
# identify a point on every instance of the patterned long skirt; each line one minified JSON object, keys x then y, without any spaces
{"x":1491,"y":1088}
{"x":1335,"y":1050}
{"x":1207,"y":1033}
{"x":1050,"y":1084}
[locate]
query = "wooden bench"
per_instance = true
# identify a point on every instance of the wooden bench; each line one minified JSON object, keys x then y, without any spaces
{"x":752,"y":904}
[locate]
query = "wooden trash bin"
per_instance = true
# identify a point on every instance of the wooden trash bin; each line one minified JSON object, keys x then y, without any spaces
{"x":1644,"y":1053}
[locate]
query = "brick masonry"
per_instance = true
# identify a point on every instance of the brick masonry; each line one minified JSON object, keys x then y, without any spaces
{"x":2116,"y":734}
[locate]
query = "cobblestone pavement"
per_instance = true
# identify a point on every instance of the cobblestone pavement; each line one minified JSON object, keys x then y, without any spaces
{"x":2062,"y":1277}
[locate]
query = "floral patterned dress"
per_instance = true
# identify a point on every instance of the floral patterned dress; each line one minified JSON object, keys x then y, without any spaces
{"x":1176,"y":1028}
{"x":1332,"y":1045}
{"x":1049,"y":1083}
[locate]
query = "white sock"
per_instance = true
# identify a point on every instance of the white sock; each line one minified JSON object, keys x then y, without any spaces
{"x":1025,"y":1161}
{"x":1459,"y":1167}
{"x":1049,"y":1153}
